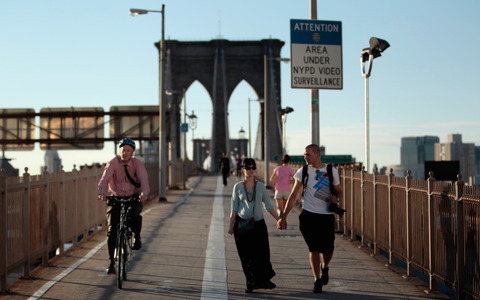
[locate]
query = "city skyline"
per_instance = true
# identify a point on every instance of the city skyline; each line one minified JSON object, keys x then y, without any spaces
{"x":93,"y":54}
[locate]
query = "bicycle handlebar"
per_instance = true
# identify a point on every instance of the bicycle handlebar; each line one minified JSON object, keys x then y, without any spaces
{"x":122,"y":199}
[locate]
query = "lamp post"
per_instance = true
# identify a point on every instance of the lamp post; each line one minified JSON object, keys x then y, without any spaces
{"x":268,"y":84}
{"x":193,"y":125}
{"x":241,"y":133}
{"x":162,"y":151}
{"x":184,"y":130}
{"x":250,"y":126}
{"x":377,"y":46}
{"x":284,"y":112}
{"x":241,"y":142}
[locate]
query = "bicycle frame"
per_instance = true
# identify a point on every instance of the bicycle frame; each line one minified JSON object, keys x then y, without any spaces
{"x":123,"y":245}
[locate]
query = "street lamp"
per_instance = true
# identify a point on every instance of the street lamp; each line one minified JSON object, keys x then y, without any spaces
{"x":193,"y":125}
{"x":250,"y":126}
{"x":241,"y":142}
{"x":162,"y":153}
{"x":241,"y":133}
{"x":284,"y":112}
{"x":377,"y":46}
{"x":268,"y":95}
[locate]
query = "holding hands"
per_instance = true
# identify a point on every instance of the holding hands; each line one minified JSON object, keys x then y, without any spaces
{"x":282,"y":223}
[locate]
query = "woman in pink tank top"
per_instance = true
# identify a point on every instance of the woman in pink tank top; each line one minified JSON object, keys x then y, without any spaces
{"x":283,"y":178}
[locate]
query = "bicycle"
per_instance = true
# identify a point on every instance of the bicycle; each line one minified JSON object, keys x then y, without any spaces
{"x":123,"y":246}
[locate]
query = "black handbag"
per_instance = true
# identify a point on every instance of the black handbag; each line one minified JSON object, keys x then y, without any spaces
{"x":245,"y":226}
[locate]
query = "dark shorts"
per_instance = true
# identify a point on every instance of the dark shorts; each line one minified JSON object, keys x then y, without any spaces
{"x":318,"y":231}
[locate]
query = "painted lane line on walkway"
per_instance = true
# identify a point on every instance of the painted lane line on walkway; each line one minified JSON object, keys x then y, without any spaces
{"x":214,"y":285}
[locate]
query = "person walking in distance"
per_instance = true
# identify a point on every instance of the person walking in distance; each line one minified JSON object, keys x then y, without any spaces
{"x":248,"y":200}
{"x":283,"y":178}
{"x":225,"y":167}
{"x":123,"y":176}
{"x":317,"y":222}
{"x":238,"y":165}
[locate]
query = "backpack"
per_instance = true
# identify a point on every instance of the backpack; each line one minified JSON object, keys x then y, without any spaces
{"x":330,"y":178}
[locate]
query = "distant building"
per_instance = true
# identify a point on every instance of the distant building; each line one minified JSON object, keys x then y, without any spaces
{"x":454,"y":149}
{"x":414,"y":151}
{"x":417,"y":150}
{"x":52,"y":161}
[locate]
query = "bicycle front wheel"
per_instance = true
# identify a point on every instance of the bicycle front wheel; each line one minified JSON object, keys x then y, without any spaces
{"x":120,"y":259}
{"x":125,"y":258}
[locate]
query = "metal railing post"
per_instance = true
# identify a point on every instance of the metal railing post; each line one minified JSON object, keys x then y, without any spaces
{"x":375,"y":174}
{"x":75,"y":199}
{"x":3,"y":231}
{"x":460,"y":270}
{"x":362,"y":205}
{"x":408,"y":236}
{"x":63,"y":211}
{"x":431,"y":253}
{"x":352,"y":235}
{"x":26,"y":224}
{"x":390,"y":211}
{"x":46,"y":217}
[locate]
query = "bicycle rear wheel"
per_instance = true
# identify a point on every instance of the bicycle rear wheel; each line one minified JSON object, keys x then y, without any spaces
{"x":120,"y":259}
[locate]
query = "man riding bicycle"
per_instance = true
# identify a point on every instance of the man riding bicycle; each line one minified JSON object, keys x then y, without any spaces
{"x":123,"y":176}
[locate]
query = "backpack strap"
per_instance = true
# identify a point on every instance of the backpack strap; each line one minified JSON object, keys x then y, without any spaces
{"x":304,"y":178}
{"x":330,"y":179}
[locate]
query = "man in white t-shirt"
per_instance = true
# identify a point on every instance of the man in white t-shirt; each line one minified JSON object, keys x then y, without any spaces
{"x":316,"y":214}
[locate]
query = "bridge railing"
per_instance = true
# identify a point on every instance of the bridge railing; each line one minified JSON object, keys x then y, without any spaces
{"x":430,"y":226}
{"x":40,"y":214}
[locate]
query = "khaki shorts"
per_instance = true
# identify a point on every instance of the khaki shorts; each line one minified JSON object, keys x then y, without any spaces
{"x":281,"y":195}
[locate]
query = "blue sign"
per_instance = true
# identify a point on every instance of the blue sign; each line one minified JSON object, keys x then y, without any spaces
{"x":316,"y":32}
{"x":184,"y":127}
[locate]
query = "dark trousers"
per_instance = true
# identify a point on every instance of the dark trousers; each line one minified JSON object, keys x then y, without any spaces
{"x":225,"y":176}
{"x":134,"y":220}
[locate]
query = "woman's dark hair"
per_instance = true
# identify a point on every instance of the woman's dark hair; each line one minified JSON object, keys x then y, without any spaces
{"x":286,"y":159}
{"x":248,"y":162}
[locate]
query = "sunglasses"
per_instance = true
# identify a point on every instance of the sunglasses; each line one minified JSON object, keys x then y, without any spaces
{"x":316,"y":173}
{"x":250,"y":168}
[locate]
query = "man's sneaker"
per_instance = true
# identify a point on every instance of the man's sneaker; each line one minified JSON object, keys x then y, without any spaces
{"x":317,"y":287}
{"x":137,"y":245}
{"x":324,"y":277}
{"x":111,"y":269}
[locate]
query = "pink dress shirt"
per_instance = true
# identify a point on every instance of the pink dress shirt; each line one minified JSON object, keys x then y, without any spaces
{"x":116,"y":181}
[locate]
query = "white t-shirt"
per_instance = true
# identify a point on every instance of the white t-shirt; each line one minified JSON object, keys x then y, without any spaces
{"x":316,"y":198}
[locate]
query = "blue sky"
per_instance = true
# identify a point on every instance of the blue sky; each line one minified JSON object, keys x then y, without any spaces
{"x":93,"y":53}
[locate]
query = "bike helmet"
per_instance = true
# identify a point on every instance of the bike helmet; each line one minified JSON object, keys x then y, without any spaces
{"x":127,"y":141}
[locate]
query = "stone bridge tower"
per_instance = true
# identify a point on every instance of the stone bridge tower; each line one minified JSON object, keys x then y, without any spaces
{"x":220,"y":65}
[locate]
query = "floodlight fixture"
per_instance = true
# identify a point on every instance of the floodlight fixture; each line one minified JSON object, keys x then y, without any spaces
{"x":135,"y":12}
{"x":286,"y":110}
{"x":377,"y":46}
